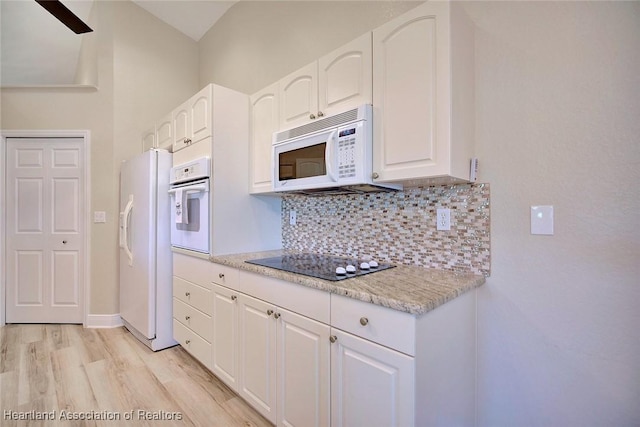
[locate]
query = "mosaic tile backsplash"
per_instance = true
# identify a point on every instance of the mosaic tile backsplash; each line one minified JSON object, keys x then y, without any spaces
{"x":396,"y":227}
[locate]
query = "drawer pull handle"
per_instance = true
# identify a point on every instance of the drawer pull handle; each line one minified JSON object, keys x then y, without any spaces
{"x":187,"y":294}
{"x":234,"y":297}
{"x":269,"y":312}
{"x":187,"y":317}
{"x":276,"y":315}
{"x":364,"y":321}
{"x":333,"y":338}
{"x":221,"y":275}
{"x":187,"y":342}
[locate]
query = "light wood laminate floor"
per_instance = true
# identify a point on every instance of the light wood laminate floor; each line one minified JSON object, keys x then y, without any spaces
{"x":66,"y":371}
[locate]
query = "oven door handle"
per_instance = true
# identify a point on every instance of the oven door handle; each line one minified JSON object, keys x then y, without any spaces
{"x":191,"y":189}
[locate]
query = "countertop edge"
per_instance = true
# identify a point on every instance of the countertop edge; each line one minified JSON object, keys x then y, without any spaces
{"x":446,"y":292}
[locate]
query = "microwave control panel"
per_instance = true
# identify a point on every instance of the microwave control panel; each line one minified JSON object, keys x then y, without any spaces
{"x":347,"y":153}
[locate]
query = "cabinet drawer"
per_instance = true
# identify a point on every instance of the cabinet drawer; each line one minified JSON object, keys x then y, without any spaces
{"x":391,"y":328}
{"x":193,"y":343}
{"x":195,"y":270}
{"x":300,"y":299}
{"x":192,"y":294}
{"x":195,"y":320}
{"x":225,"y":276}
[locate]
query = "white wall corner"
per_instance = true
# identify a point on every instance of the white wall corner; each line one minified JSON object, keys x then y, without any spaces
{"x":104,"y":321}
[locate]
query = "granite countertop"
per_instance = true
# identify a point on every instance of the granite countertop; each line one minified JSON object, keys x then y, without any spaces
{"x":411,"y":289}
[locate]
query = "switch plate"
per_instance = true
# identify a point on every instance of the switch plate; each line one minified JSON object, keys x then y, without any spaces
{"x":443,"y":219}
{"x":99,"y":217}
{"x":542,"y":220}
{"x":292,"y":217}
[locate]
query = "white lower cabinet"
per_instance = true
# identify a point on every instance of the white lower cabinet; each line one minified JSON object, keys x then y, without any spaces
{"x":275,"y":359}
{"x":303,"y":357}
{"x":283,"y":363}
{"x":225,"y":335}
{"x":257,"y":355}
{"x":303,"y":371}
{"x":371,"y":385}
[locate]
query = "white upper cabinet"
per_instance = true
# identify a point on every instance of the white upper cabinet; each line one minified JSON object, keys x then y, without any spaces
{"x":338,"y":81}
{"x":345,"y":77}
{"x":164,"y":133}
{"x":264,"y":122}
{"x":149,"y":139}
{"x":299,"y":96}
{"x":423,"y":95}
{"x":192,"y":120}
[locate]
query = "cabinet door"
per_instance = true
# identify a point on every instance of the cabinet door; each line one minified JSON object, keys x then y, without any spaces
{"x":225,"y":335}
{"x":200,"y":114}
{"x":298,"y":96}
{"x":164,"y":134}
{"x":411,"y":94}
{"x":264,"y":122}
{"x":181,"y":127}
{"x":345,"y":77}
{"x":257,"y":355}
{"x":303,"y":371}
{"x":371,"y":385}
{"x":149,"y":139}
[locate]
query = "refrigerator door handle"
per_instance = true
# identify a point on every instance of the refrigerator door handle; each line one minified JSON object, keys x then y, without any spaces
{"x":125,"y":232}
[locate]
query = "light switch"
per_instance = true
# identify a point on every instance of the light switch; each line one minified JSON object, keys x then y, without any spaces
{"x":542,"y":220}
{"x":99,"y":216}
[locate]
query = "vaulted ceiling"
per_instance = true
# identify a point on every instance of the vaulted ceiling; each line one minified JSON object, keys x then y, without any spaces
{"x":36,"y":49}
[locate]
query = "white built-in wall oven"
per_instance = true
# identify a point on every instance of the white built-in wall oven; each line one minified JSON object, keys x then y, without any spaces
{"x":189,"y":191}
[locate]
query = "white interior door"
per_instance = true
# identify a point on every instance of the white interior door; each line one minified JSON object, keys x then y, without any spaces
{"x":44,"y":230}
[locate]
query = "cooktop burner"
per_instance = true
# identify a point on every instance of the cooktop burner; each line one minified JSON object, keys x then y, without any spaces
{"x":326,"y":267}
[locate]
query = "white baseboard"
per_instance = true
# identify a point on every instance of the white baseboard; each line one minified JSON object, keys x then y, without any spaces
{"x":103,"y":321}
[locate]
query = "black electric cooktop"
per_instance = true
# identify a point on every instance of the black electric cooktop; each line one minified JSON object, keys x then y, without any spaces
{"x":320,"y":266}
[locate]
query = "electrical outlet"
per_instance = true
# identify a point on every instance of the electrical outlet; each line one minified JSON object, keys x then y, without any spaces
{"x":443,"y":218}
{"x":292,"y":217}
{"x":99,"y":217}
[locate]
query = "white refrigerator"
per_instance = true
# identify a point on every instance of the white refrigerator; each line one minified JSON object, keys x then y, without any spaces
{"x":145,"y":249}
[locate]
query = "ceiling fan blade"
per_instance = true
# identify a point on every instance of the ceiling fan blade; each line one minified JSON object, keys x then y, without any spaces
{"x":64,"y":15}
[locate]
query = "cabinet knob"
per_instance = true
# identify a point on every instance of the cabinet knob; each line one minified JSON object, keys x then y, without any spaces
{"x":64,"y":242}
{"x":234,"y":297}
{"x":320,"y":114}
{"x":221,"y":275}
{"x":269,"y":312}
{"x":276,"y":315}
{"x":312,"y":116}
{"x":187,"y":342}
{"x":187,"y":294}
{"x":375,"y":175}
{"x":364,"y":321}
{"x":186,"y":141}
{"x":333,"y":338}
{"x":187,"y":317}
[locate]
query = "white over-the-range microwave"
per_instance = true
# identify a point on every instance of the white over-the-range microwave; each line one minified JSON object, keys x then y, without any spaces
{"x":332,"y":155}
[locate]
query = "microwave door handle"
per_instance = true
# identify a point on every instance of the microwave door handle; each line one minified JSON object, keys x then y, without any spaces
{"x":329,"y":154}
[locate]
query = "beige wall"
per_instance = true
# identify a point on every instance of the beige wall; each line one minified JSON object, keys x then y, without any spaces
{"x":145,"y":69}
{"x":257,"y":42}
{"x":557,"y":122}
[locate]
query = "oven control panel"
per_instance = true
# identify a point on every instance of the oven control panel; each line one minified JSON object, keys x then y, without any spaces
{"x":190,"y":171}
